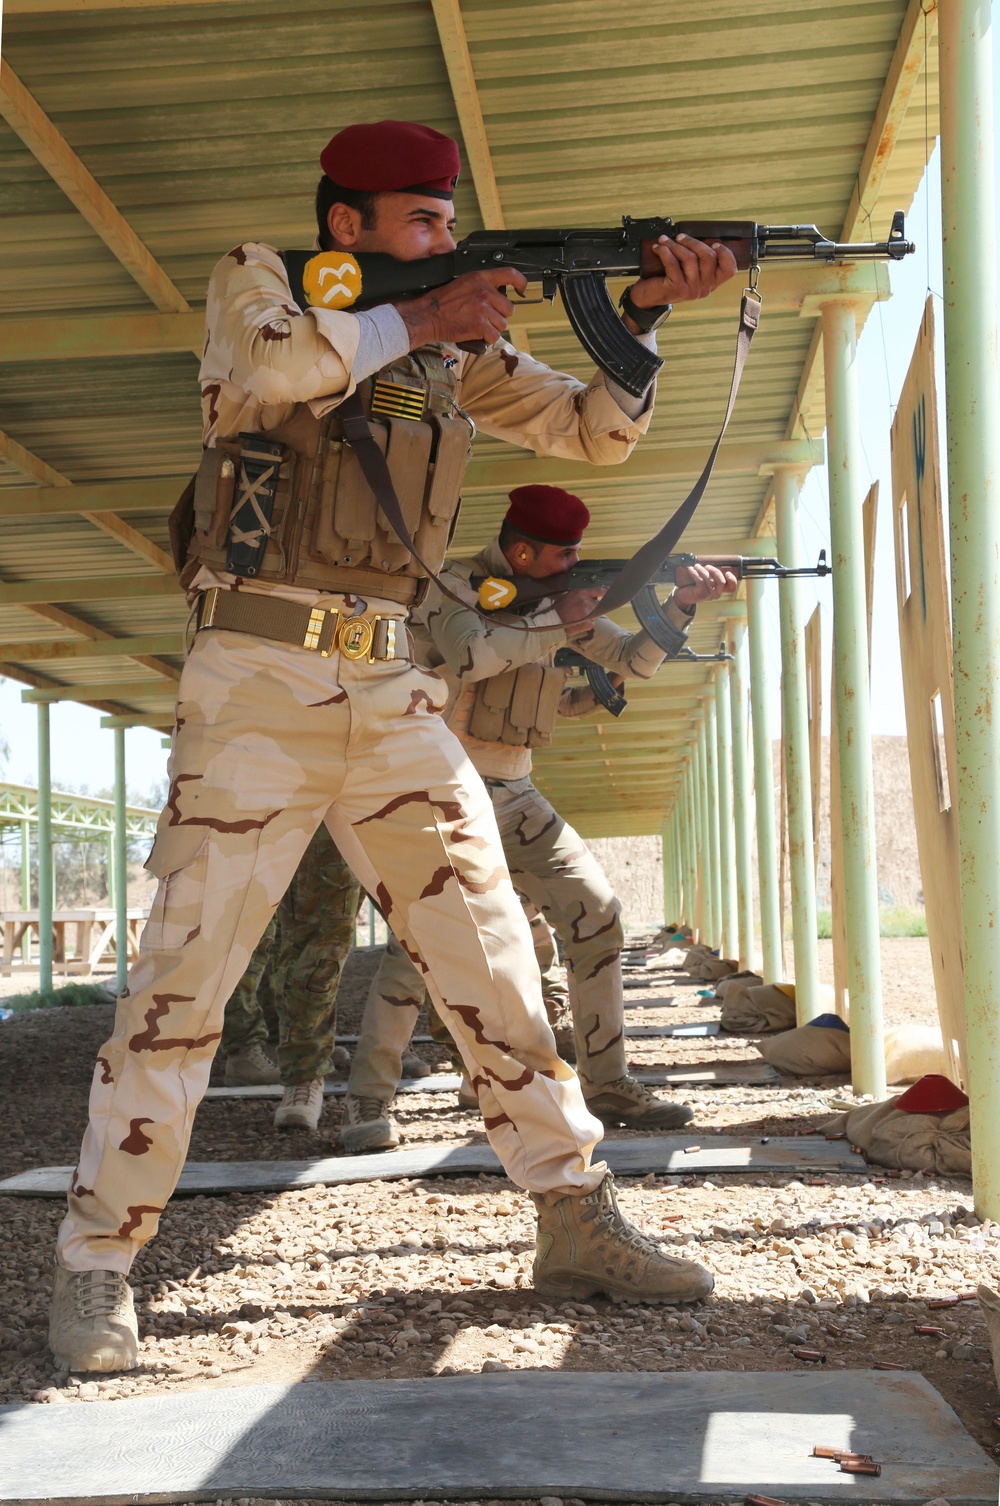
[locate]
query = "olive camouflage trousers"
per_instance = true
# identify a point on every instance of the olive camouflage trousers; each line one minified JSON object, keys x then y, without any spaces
{"x":553,"y":871}
{"x":289,"y":989}
{"x":270,"y":741}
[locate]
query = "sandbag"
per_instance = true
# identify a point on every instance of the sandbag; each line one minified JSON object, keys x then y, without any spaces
{"x":759,"y":1009}
{"x":694,"y":957}
{"x":819,"y":1049}
{"x":913,"y":1051}
{"x":714,"y":968}
{"x":989,"y":1304}
{"x":889,"y":1136}
{"x":672,"y":957}
{"x":738,"y":983}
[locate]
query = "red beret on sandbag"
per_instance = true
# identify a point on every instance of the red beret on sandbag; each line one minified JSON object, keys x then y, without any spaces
{"x":389,"y":156}
{"x":547,"y":514}
{"x":932,"y":1094}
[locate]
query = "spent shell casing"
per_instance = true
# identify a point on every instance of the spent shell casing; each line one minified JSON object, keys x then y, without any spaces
{"x":861,"y":1467}
{"x":814,"y":1356}
{"x":825,"y":1451}
{"x":928,"y":1329}
{"x":935,"y":1303}
{"x":996,"y":1422}
{"x":848,"y":1458}
{"x":887,"y":1365}
{"x":764,"y":1501}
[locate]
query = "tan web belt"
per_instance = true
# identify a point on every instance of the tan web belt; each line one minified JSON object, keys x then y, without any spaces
{"x":323,"y":632}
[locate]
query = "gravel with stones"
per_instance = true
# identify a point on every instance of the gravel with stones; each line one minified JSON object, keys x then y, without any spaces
{"x":423,"y":1278}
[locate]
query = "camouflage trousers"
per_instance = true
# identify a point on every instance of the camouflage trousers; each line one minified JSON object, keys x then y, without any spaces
{"x":553,"y":871}
{"x":289,"y":989}
{"x":271,"y":741}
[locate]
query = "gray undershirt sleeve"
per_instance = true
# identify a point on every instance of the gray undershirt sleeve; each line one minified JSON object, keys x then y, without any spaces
{"x":383,"y":338}
{"x":632,"y":407}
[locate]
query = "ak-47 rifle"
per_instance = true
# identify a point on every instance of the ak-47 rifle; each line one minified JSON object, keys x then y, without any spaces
{"x":600,"y":681}
{"x":496,"y":592}
{"x":577,"y":264}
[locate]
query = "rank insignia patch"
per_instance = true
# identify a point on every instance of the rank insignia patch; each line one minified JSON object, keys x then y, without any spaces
{"x":332,"y":280}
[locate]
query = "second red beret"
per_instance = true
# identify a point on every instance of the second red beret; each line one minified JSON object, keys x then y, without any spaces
{"x":392,"y":156}
{"x":548,"y":514}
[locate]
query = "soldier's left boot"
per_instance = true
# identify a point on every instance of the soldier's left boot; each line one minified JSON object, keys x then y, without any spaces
{"x":628,"y":1102}
{"x":415,"y":1066}
{"x":585,"y":1248}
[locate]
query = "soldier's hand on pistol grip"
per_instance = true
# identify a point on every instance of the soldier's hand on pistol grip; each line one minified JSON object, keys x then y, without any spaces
{"x":680,"y":271}
{"x":575,"y":609}
{"x":696,"y":583}
{"x":471,"y":308}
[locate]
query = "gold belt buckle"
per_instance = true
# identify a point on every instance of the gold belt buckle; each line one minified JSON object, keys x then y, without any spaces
{"x":355,"y":638}
{"x":314,"y":632}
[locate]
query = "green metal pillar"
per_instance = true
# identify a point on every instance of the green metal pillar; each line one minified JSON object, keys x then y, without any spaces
{"x":46,"y":872}
{"x":973,"y":402}
{"x":727,"y":839}
{"x":26,"y":888}
{"x":715,"y":825}
{"x":767,"y":842}
{"x":706,"y":856}
{"x":795,"y":729}
{"x":691,"y":823}
{"x":120,"y":865}
{"x":851,"y":692}
{"x":742,"y":810}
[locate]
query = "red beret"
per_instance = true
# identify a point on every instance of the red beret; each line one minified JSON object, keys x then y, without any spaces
{"x":547,"y":514}
{"x":392,"y":156}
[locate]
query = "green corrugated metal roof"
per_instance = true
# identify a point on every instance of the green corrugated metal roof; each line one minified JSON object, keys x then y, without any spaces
{"x":203,"y":124}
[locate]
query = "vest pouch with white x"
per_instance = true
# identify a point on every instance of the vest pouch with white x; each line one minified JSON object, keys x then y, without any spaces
{"x":257,"y":475}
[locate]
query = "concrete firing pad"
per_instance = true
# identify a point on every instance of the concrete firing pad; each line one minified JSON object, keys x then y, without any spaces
{"x":651,"y":1437}
{"x":666,"y":1154}
{"x":699,"y":1074}
{"x":640,"y":1032}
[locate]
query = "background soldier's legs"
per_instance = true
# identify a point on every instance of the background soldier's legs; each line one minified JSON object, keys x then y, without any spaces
{"x":414,"y":823}
{"x":244,"y":1020}
{"x":391,"y":1009}
{"x":551,"y":867}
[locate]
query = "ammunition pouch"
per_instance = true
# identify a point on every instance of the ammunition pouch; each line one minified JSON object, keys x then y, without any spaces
{"x":292,"y":506}
{"x":518,"y":707}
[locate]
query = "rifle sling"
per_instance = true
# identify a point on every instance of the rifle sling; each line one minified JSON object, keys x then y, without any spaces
{"x":637,"y":571}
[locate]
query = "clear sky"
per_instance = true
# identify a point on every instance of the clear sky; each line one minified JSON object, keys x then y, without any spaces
{"x":82,"y":753}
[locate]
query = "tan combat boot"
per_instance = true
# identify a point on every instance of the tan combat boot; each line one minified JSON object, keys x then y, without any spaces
{"x":92,"y":1322}
{"x":367,"y":1125}
{"x":584,"y":1247}
{"x":631,"y":1103}
{"x":251,"y":1066}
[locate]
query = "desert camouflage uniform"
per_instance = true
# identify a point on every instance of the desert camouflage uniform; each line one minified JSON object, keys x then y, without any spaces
{"x":549,"y":863}
{"x":272,"y":740}
{"x":295,"y":968}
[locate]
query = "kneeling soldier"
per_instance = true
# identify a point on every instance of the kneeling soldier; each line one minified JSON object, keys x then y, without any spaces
{"x":299,"y":704}
{"x":504,"y":696}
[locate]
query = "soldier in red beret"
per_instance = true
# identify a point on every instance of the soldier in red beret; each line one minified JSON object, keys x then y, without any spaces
{"x":299,"y":703}
{"x":504,"y":695}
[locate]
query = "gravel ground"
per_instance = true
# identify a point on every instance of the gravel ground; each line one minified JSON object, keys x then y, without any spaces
{"x":402,"y":1279}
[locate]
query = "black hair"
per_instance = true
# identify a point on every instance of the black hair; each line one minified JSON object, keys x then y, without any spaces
{"x":509,"y":535}
{"x":329,"y":193}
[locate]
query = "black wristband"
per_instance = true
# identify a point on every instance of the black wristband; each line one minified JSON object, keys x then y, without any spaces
{"x":646,"y":319}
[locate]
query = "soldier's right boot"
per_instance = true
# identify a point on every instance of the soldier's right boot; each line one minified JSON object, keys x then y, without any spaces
{"x":92,"y":1324}
{"x":367,"y":1125}
{"x":251,"y":1066}
{"x":584,"y":1247}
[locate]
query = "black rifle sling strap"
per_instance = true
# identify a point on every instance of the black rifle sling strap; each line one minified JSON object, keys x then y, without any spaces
{"x":643,"y":564}
{"x":648,"y":558}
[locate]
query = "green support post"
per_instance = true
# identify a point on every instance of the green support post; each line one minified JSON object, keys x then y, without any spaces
{"x":727,"y":838}
{"x":46,"y":869}
{"x":973,"y":402}
{"x":850,"y":677}
{"x":795,"y":719}
{"x":705,"y":837}
{"x":120,"y":865}
{"x":691,"y":848}
{"x":742,"y":810}
{"x":26,"y":889}
{"x":714,"y":825}
{"x":763,"y":763}
{"x":667,"y":841}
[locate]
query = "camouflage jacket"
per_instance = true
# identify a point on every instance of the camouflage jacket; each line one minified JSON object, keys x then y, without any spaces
{"x":463,"y":649}
{"x":264,"y":355}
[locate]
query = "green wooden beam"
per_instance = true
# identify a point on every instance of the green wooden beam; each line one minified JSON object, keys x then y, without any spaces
{"x":92,"y":336}
{"x":98,"y":648}
{"x":29,"y":593}
{"x":92,"y":496}
{"x":110,"y":690}
{"x":645,"y":463}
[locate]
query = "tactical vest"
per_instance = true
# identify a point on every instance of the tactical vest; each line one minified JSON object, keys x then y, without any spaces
{"x":326,"y":531}
{"x":518,"y":707}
